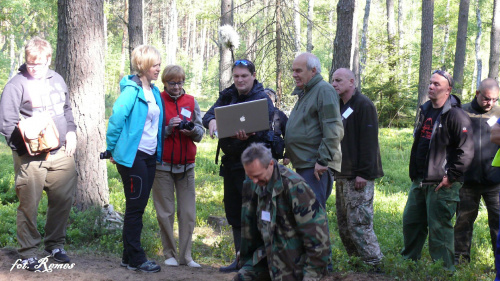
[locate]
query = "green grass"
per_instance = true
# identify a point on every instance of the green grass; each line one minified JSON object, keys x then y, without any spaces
{"x":87,"y":235}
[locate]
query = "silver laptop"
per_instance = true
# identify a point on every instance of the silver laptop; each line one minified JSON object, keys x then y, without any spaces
{"x":251,"y":116}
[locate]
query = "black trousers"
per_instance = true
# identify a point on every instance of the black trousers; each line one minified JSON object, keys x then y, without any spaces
{"x":137,"y":184}
{"x":470,"y":197}
{"x":233,"y":185}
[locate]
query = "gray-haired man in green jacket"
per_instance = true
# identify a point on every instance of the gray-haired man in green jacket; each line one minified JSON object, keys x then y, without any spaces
{"x":314,"y":129}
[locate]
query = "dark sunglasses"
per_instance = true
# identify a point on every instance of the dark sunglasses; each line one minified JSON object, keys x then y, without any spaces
{"x":444,"y":74}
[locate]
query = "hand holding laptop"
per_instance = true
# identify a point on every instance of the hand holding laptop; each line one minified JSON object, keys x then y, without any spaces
{"x":241,"y":135}
{"x":212,"y":128}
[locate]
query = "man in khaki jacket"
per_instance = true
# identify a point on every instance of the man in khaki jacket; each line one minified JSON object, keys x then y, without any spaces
{"x":314,"y":129}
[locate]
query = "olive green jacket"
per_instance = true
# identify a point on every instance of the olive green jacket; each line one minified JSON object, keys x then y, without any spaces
{"x":314,"y":129}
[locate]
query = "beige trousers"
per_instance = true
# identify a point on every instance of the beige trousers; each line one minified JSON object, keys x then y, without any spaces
{"x":57,"y":176}
{"x":164,"y":187}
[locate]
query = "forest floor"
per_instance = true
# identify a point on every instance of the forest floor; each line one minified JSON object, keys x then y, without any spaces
{"x":93,"y":268}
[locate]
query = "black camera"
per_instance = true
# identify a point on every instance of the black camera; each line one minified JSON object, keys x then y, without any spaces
{"x":186,"y":125}
{"x":105,"y":155}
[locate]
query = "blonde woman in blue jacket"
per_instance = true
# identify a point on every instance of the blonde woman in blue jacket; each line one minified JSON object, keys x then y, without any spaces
{"x":134,"y":141}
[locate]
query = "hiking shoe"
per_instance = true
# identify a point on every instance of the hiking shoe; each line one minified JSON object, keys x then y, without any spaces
{"x":31,"y":264}
{"x":59,"y":255}
{"x":233,"y":267}
{"x":147,"y":266}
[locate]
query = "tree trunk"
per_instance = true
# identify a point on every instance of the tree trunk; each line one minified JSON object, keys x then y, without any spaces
{"x":458,"y":68}
{"x":225,"y":54}
{"x":296,"y":24}
{"x":362,"y":49}
{"x":495,"y":42}
{"x":310,"y":17}
{"x":400,"y":33}
{"x":391,"y":22}
{"x":135,"y":26}
{"x":343,"y":37}
{"x":172,"y":37}
{"x":278,"y":51}
{"x":354,"y":65}
{"x":80,"y":60}
{"x":446,"y":35}
{"x":124,"y":46}
{"x":479,"y":63}
{"x":426,"y":38}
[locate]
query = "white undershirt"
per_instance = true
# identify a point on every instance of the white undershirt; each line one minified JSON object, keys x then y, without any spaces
{"x":149,"y":141}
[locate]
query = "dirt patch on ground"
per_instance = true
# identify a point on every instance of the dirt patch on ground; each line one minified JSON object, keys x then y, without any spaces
{"x":92,"y":268}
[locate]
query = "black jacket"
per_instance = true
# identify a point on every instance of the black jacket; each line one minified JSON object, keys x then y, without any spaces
{"x":360,"y":148}
{"x":451,"y":147}
{"x":232,"y":147}
{"x":480,"y":170}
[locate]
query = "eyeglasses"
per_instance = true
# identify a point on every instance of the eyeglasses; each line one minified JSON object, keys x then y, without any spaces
{"x":243,"y":62}
{"x":488,"y":99}
{"x":443,"y":74}
{"x":180,"y":84}
{"x":35,"y":65}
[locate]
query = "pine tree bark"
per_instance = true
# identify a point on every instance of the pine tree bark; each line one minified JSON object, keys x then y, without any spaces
{"x":135,"y":26}
{"x":458,"y":67}
{"x":225,"y":54}
{"x":124,"y":46}
{"x":495,"y":42}
{"x":343,"y":37}
{"x":354,"y":64}
{"x":362,"y":48}
{"x":446,"y":36}
{"x":426,"y":37}
{"x":479,"y":62}
{"x":310,"y":17}
{"x":279,"y":71}
{"x":80,"y":61}
{"x":296,"y":24}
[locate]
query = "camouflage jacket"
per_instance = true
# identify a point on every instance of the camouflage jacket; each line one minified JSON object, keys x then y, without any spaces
{"x":284,"y":223}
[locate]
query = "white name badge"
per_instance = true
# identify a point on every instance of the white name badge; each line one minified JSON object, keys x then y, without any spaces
{"x":492,"y":121}
{"x":347,"y":112}
{"x":186,"y":113}
{"x":266,"y":216}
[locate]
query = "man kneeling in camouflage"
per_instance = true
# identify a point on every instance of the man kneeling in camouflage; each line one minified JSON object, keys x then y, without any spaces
{"x":284,"y":228}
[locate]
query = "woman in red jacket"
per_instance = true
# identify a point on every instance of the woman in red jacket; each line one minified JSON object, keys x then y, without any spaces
{"x":176,"y":172}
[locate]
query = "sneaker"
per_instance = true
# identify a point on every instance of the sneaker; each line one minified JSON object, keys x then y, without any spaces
{"x":148,"y":266}
{"x":59,"y":255}
{"x":233,"y":267}
{"x":123,"y":263}
{"x":31,"y":264}
{"x":193,"y":264}
{"x":171,"y":262}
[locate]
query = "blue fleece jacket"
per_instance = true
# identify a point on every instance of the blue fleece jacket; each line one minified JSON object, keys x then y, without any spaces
{"x":126,"y":124}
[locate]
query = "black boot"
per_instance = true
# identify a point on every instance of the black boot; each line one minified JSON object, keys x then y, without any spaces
{"x":233,"y":267}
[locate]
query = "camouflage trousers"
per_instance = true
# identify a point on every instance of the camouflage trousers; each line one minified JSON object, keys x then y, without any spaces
{"x":355,"y":220}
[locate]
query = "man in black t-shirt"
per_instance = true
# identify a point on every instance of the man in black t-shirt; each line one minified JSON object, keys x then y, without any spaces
{"x":442,"y":150}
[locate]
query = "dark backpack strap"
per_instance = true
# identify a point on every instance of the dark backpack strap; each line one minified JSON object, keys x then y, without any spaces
{"x":217,"y":153}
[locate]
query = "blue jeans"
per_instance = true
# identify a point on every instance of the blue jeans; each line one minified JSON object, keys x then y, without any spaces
{"x":322,"y":188}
